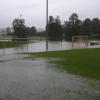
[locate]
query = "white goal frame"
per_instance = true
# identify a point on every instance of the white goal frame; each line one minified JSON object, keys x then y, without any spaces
{"x":81,"y":41}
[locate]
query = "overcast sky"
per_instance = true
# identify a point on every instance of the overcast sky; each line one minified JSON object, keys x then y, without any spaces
{"x":33,"y":11}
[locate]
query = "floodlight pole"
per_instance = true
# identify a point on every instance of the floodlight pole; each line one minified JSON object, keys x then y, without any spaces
{"x":46,"y":25}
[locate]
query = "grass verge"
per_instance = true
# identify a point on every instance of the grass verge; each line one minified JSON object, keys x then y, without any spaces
{"x":84,"y":62}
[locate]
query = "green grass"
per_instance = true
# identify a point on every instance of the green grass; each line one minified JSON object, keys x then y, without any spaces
{"x":84,"y":62}
{"x":8,"y":44}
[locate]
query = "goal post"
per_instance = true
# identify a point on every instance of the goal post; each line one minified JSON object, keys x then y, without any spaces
{"x":80,"y":41}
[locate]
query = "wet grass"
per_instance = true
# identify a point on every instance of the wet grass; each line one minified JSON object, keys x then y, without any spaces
{"x":11,"y":44}
{"x":84,"y":62}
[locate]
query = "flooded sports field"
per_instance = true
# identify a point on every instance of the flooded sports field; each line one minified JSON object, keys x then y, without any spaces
{"x":40,"y":46}
{"x":36,"y":79}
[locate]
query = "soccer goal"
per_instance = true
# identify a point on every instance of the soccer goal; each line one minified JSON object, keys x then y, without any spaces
{"x":80,"y":41}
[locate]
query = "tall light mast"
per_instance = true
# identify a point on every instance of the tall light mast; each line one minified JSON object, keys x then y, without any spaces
{"x":46,"y":25}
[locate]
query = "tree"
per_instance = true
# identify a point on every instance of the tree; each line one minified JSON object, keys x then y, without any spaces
{"x":28,"y":31}
{"x":77,"y":27}
{"x":51,"y":19}
{"x":86,"y":27}
{"x":57,"y":20}
{"x":73,"y":18}
{"x":95,"y":25}
{"x":19,"y":28}
{"x":33,"y":30}
{"x":64,"y":28}
{"x":54,"y":29}
{"x":8,"y":31}
{"x":73,"y":26}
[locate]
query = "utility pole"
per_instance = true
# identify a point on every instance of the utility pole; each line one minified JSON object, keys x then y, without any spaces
{"x":46,"y":25}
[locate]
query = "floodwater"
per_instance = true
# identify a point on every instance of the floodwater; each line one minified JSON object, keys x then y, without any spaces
{"x":38,"y":47}
{"x":41,"y":47}
{"x":22,"y":79}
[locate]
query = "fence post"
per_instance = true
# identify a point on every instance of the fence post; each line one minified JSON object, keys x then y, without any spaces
{"x":27,"y":47}
{"x":3,"y":42}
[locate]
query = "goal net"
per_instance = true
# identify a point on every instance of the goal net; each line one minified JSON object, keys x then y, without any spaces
{"x":80,"y":41}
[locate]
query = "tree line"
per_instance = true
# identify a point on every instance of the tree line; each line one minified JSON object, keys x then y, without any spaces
{"x":73,"y":27}
{"x":56,"y":31}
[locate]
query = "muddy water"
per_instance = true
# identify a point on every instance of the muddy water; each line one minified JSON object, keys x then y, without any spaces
{"x":35,"y":79}
{"x":41,"y":46}
{"x":37,"y":47}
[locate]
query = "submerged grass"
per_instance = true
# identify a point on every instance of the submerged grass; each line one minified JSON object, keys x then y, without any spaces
{"x":10,"y":44}
{"x":84,"y":62}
